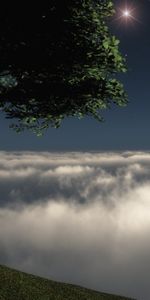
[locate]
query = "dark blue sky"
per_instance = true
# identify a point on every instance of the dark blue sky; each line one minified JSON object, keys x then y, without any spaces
{"x":124,"y":128}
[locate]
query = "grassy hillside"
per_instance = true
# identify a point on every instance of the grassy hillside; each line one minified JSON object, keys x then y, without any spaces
{"x":16,"y":285}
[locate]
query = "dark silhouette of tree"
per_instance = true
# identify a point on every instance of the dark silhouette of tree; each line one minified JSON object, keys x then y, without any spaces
{"x":58,"y":59}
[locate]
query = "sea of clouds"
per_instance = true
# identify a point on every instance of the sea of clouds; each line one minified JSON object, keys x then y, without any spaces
{"x":82,"y":218}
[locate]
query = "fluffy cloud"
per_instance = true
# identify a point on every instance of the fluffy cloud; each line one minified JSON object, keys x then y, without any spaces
{"x":78,"y":217}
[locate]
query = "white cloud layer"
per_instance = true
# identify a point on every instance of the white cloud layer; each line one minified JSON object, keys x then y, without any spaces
{"x":78,"y":217}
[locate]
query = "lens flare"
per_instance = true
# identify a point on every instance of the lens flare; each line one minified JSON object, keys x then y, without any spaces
{"x":126,"y":13}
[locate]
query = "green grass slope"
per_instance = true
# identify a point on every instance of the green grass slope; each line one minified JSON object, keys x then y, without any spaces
{"x":16,"y":285}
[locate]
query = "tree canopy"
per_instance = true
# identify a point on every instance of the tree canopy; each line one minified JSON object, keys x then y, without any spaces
{"x":58,"y":59}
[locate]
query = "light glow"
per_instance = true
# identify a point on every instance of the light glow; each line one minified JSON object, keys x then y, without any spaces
{"x":127,"y":13}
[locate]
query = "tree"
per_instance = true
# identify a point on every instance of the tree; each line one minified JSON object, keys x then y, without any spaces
{"x":56,"y":60}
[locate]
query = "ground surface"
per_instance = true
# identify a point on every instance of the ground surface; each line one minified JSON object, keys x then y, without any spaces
{"x":16,"y":285}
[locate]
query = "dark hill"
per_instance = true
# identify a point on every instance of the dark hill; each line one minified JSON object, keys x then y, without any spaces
{"x":16,"y":285}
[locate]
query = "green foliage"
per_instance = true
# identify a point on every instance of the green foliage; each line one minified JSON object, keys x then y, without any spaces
{"x":15,"y":285}
{"x":57,"y":61}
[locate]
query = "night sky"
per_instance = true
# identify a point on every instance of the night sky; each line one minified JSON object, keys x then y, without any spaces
{"x":124,"y":128}
{"x":75,"y":203}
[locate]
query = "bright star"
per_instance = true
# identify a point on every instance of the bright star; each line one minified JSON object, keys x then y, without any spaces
{"x":127,"y":13}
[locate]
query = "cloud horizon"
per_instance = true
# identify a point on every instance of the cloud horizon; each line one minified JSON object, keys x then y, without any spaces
{"x":78,"y":217}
